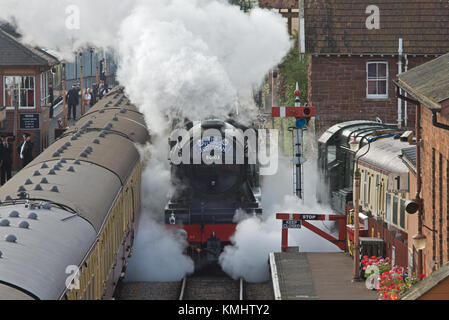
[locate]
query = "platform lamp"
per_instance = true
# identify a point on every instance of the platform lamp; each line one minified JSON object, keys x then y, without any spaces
{"x":354,"y":146}
{"x":419,"y":241}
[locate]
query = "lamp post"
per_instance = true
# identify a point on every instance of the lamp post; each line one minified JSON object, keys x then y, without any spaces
{"x":82,"y":83}
{"x":64,"y":101}
{"x":354,"y":146}
{"x":419,"y":240}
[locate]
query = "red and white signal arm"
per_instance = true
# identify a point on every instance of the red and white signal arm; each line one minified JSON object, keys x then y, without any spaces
{"x":293,"y":112}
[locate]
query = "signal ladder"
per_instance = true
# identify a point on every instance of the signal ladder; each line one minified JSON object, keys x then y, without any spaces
{"x":301,"y":187}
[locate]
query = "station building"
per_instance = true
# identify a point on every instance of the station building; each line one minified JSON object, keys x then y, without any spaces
{"x":427,"y":87}
{"x":354,"y":56}
{"x":356,"y":49}
{"x":25,"y":75}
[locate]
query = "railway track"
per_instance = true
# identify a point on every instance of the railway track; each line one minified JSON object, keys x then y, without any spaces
{"x":213,"y":285}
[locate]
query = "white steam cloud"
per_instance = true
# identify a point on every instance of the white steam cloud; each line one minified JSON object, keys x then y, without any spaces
{"x":192,"y":59}
{"x":177,"y":59}
{"x":157,"y":254}
{"x":67,"y":25}
{"x":255,"y":238}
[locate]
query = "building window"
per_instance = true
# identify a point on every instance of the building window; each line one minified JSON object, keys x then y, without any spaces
{"x":19,"y":90}
{"x":369,"y":192}
{"x":388,"y":207}
{"x":377,"y":197}
{"x":377,"y":80}
{"x":393,"y":255}
{"x":395,"y":211}
{"x":402,"y":214}
{"x":364,"y":188}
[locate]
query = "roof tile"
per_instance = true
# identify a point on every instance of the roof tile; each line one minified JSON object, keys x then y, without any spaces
{"x":14,"y":53}
{"x":339,"y":26}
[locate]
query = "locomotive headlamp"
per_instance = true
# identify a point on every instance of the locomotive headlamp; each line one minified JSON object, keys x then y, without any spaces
{"x":172,"y":219}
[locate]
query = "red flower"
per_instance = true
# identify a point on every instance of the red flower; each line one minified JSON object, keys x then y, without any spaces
{"x":422,"y":275}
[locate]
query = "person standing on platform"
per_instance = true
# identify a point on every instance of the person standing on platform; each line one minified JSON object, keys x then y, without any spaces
{"x":73,"y":101}
{"x":51,"y":99}
{"x":87,"y":97}
{"x":25,"y":150}
{"x":94,"y":95}
{"x":5,"y":159}
{"x":101,"y":90}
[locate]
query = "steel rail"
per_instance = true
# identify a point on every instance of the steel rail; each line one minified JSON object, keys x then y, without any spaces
{"x":183,"y":288}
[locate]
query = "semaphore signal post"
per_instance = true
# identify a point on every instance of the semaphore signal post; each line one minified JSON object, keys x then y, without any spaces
{"x":302,"y":115}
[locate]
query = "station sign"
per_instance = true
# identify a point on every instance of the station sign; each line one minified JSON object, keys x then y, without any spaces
{"x":30,"y":121}
{"x":291,"y":224}
{"x":311,"y":217}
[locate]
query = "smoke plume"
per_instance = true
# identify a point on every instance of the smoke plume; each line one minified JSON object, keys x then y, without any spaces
{"x":177,"y":59}
{"x":255,"y":238}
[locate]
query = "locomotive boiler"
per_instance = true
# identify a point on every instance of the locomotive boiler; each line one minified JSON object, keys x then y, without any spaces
{"x":217,"y":181}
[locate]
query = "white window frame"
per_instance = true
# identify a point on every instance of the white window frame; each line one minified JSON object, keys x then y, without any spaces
{"x":377,"y":96}
{"x":44,"y":88}
{"x":388,"y":205}
{"x":20,"y":88}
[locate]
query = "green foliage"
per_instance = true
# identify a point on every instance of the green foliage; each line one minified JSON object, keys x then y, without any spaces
{"x":293,"y":69}
{"x":244,"y":4}
{"x":234,"y":2}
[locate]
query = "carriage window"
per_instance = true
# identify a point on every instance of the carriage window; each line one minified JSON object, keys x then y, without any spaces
{"x":331,"y":154}
{"x":377,"y":80}
{"x":349,"y":169}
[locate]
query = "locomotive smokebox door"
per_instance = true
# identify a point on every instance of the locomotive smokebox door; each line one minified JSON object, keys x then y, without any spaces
{"x":213,"y":248}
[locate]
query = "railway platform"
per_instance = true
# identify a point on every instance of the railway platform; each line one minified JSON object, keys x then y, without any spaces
{"x":315,"y":276}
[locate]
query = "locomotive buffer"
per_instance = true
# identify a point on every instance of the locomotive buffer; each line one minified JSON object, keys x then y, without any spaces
{"x":302,"y":115}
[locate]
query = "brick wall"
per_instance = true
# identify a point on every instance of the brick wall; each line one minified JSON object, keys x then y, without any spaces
{"x":390,"y":237}
{"x":435,"y":175}
{"x":412,"y":221}
{"x":7,"y":127}
{"x":337,"y":89}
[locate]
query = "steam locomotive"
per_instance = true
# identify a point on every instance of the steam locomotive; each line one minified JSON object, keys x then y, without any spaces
{"x":209,"y":192}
